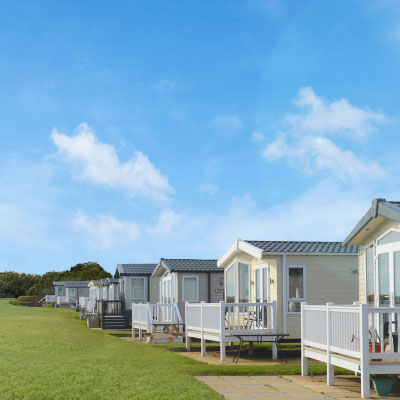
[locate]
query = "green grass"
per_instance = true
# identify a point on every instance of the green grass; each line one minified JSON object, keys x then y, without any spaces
{"x":48,"y":353}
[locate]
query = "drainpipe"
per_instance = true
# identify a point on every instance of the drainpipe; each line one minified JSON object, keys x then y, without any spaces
{"x":209,"y":287}
{"x":284,"y":293}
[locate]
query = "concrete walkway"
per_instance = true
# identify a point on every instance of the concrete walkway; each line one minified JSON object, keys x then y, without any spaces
{"x":285,"y":387}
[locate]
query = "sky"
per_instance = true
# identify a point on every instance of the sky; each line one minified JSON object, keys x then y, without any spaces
{"x":135,"y":130}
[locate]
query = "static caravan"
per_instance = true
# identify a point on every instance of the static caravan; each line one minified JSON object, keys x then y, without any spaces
{"x":188,"y":280}
{"x":362,"y":337}
{"x":68,"y":292}
{"x":136,"y":284}
{"x":290,"y":273}
{"x":104,"y":289}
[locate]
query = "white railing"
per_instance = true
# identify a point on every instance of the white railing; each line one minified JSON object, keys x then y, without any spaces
{"x":232,"y":318}
{"x":145,"y":315}
{"x":49,"y":298}
{"x":62,"y":299}
{"x":87,"y":304}
{"x":223,"y":322}
{"x":367,"y":334}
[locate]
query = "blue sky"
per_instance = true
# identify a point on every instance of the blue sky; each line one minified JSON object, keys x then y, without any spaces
{"x":134,"y":130}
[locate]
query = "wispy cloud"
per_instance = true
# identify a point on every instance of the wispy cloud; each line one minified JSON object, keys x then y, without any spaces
{"x":98,"y":162}
{"x":303,"y":140}
{"x":209,"y":188}
{"x":257,"y":137}
{"x":167,"y":222}
{"x":105,"y":230}
{"x":226,"y":124}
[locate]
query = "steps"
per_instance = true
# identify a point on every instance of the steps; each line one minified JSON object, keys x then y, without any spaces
{"x":115,"y":322}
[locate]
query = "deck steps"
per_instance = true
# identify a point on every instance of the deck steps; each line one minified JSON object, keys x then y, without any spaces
{"x":115,"y":322}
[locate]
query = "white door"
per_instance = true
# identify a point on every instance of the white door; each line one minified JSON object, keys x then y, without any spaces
{"x":261,"y":279}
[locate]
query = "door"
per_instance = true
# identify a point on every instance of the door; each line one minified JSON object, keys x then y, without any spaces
{"x":261,"y":280}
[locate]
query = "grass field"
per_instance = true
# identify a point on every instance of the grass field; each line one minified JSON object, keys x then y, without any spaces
{"x":48,"y":353}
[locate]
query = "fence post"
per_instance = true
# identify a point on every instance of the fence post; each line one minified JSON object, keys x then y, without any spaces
{"x":330,"y":371}
{"x":133,"y":325}
{"x":275,"y":330}
{"x":187,"y":339}
{"x":304,"y":359}
{"x":364,"y":348}
{"x":222,"y":330}
{"x":140,"y":320}
{"x":203,"y":342}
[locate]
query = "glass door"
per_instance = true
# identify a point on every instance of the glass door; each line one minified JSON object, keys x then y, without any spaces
{"x":261,"y":280}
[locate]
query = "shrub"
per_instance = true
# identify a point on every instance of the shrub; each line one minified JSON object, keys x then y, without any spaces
{"x":30,"y":301}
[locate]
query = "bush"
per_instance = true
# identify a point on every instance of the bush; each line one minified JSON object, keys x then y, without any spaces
{"x":30,"y":301}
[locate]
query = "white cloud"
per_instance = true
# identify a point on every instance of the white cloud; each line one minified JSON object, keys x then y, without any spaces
{"x":257,"y":137}
{"x":317,"y":154}
{"x":106,"y":230}
{"x":209,"y":188}
{"x":226,"y":123}
{"x":167,"y":222}
{"x":98,"y":162}
{"x":303,"y":140}
{"x":323,"y":117}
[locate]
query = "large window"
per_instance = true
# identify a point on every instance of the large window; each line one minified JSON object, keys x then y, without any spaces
{"x":58,"y":290}
{"x":244,"y":283}
{"x":190,"y":288}
{"x":369,"y":256}
{"x":384,"y":279}
{"x":230,"y":284}
{"x":138,"y":290}
{"x":296,"y":287}
{"x":261,"y":281}
{"x":71,"y":292}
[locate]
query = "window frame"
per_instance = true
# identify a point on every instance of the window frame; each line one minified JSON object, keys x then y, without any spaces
{"x":233,"y":266}
{"x":69,"y":292}
{"x":168,"y":277}
{"x":132,"y":299}
{"x":295,"y":299}
{"x":197,"y":288}
{"x":248,"y":283}
{"x":261,"y":268}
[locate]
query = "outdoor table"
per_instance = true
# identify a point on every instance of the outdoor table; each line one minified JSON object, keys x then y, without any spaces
{"x":246,"y":336}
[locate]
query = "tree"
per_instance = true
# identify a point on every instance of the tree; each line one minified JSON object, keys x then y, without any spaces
{"x":14,"y":284}
{"x":86,"y":272}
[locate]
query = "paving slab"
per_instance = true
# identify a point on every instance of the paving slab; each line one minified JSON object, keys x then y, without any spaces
{"x":287,"y":387}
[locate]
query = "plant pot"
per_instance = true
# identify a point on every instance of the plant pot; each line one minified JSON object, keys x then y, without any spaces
{"x":377,"y":350}
{"x":383,"y":386}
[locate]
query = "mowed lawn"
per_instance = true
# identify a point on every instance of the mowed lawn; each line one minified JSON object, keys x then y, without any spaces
{"x":48,"y":353}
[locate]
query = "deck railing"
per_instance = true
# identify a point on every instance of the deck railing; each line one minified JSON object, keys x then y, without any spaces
{"x":232,"y":318}
{"x":87,"y":304}
{"x":146,"y":314}
{"x":367,"y":334}
{"x":49,"y":298}
{"x":339,"y":329}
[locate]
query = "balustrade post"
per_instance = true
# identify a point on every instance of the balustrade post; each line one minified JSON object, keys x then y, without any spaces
{"x":203,"y":342}
{"x":304,"y":359}
{"x":187,"y":339}
{"x":330,"y":371}
{"x":222,"y":331}
{"x":133,"y":324}
{"x":364,"y":349}
{"x":275,"y":330}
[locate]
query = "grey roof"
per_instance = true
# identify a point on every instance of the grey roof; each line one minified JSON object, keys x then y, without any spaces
{"x":190,"y":265}
{"x":135,"y":269}
{"x":71,"y":283}
{"x":292,"y":247}
{"x":380,"y":207}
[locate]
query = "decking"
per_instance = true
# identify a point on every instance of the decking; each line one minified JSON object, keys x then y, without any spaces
{"x":231,"y":322}
{"x":350,"y":337}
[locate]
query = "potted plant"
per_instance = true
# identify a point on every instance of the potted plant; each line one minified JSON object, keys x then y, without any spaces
{"x":383,"y":384}
{"x":378,"y":345}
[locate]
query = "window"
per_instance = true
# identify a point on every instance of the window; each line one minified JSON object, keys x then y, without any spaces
{"x":296,"y":287}
{"x":391,"y":237}
{"x":58,"y":290}
{"x":383,"y":279}
{"x":190,"y":291}
{"x":230,"y":284}
{"x":138,"y":290}
{"x":369,"y":256}
{"x":244,"y":283}
{"x":71,"y":292}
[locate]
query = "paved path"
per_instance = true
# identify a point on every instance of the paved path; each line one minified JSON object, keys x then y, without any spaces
{"x":285,"y":387}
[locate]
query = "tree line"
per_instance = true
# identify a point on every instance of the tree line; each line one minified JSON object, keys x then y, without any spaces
{"x":15,"y":284}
